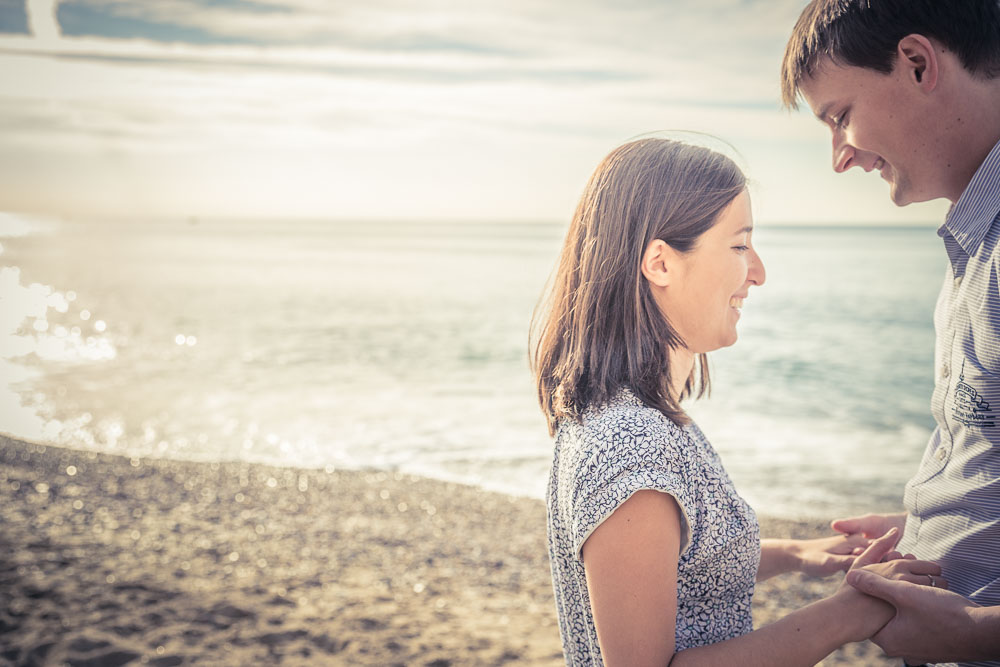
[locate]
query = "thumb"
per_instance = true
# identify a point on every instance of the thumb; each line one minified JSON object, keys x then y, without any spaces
{"x":849,"y":525}
{"x":876,"y":585}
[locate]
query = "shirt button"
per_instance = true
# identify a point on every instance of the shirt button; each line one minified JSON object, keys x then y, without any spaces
{"x":941,"y":453}
{"x":958,"y":281}
{"x":945,"y":371}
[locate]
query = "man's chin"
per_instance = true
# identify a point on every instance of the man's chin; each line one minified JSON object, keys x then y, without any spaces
{"x":904,"y":197}
{"x":899,"y":196}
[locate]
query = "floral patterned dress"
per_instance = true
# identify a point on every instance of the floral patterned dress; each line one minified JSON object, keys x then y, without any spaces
{"x":625,"y":446}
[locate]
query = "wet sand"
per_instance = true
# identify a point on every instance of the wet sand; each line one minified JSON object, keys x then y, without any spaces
{"x":106,"y":561}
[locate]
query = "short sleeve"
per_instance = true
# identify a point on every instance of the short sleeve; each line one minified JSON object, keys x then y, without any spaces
{"x":622,"y":464}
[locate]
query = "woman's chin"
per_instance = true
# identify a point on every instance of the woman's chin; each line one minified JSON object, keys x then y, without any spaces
{"x":730,"y":340}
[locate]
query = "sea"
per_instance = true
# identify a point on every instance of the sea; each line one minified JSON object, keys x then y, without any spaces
{"x":402,"y":347}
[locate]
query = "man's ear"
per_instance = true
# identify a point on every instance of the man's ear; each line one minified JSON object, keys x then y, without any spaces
{"x":657,"y":263}
{"x":916,"y":54}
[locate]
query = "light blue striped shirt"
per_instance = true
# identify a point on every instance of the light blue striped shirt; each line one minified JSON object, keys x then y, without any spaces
{"x":954,"y":499}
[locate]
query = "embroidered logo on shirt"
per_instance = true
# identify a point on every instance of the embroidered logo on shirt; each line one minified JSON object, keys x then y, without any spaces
{"x":969,"y":408}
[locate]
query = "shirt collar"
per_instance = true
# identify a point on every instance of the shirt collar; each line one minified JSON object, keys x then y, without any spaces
{"x":974,"y":212}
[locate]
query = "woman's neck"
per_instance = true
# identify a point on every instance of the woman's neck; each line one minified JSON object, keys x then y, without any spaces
{"x":681,"y":365}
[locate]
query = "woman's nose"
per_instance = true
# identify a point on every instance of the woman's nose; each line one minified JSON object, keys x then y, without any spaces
{"x":756,"y":273}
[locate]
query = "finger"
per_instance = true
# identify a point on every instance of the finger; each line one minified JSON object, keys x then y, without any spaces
{"x":863,"y":525}
{"x":923,"y":567}
{"x":918,"y":579}
{"x":910,"y":557}
{"x":925,"y":580}
{"x":892,"y":555}
{"x":875,"y":585}
{"x":847,"y":544}
{"x":858,"y":550}
{"x":877,"y":549}
{"x":856,"y":540}
{"x":849,"y":525}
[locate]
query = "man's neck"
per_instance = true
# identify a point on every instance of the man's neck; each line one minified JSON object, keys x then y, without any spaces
{"x":975,"y":131}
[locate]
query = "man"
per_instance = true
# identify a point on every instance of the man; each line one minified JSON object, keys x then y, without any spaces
{"x":911,"y":89}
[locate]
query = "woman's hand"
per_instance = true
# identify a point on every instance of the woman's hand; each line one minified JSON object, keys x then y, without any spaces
{"x":817,"y":558}
{"x":826,"y":555}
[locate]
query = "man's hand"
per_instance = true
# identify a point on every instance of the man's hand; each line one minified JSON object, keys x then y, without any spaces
{"x":871,"y":526}
{"x":931,"y":624}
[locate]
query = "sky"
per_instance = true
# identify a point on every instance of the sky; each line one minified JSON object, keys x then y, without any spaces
{"x":396,"y":109}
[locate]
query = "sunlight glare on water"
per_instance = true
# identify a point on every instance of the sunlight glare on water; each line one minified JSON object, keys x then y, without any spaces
{"x":404,"y":347}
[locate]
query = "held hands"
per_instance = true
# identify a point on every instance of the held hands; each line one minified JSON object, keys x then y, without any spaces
{"x":930,"y":624}
{"x":868,"y":614}
{"x":829,"y":555}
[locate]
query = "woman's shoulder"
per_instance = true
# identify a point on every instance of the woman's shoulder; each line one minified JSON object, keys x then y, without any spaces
{"x":624,"y":427}
{"x":626,"y":411}
{"x":612,"y":451}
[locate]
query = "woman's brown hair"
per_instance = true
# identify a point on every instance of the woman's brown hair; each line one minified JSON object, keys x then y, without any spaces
{"x":598,"y":328}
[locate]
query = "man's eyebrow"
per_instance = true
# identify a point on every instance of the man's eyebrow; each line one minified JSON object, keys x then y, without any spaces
{"x":824,"y":112}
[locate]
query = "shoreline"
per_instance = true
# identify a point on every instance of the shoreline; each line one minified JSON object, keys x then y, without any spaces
{"x":111,"y":561}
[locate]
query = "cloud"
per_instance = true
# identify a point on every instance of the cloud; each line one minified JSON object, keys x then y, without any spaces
{"x":687,"y":43}
{"x":534,"y":66}
{"x":42,"y":22}
{"x":460,"y":106}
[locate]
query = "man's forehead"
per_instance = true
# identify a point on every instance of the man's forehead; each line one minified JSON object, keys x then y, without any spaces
{"x":822,"y":84}
{"x":824,"y":73}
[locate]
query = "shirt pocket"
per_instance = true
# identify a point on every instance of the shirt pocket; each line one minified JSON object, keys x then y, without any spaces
{"x":974,"y":399}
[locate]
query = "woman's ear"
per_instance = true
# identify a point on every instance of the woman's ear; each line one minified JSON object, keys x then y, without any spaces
{"x":656,"y":263}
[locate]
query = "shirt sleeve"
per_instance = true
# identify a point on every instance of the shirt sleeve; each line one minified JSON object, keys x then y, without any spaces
{"x":622,"y":464}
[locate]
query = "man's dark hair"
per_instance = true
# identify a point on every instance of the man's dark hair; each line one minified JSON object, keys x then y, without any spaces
{"x":865,"y":33}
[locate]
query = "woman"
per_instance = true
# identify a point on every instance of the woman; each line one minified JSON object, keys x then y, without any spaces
{"x":654,"y":555}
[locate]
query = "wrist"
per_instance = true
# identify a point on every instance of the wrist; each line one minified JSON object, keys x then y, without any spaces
{"x":787,"y":555}
{"x":779,"y":556}
{"x":792,"y":554}
{"x":844,"y":623}
{"x":854,"y":616}
{"x":984,"y":630}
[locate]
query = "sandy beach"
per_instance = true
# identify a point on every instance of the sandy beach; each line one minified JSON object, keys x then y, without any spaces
{"x":106,"y":560}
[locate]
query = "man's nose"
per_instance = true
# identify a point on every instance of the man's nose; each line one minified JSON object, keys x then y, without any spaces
{"x":843,"y":156}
